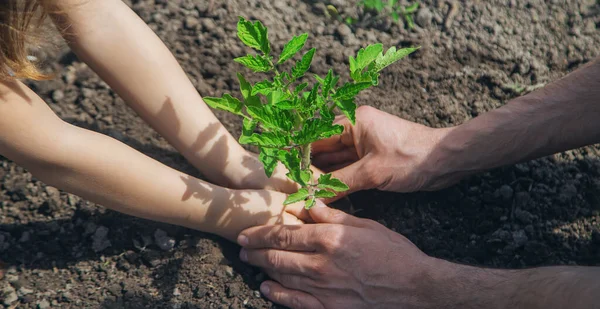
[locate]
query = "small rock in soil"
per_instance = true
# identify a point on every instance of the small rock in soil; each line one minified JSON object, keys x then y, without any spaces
{"x":520,"y":238}
{"x":24,"y":291}
{"x":523,"y":215}
{"x":43,"y":304}
{"x":506,"y":192}
{"x":176,"y":292}
{"x":10,"y":295}
{"x":100,"y":242}
{"x":200,"y":291}
{"x":191,"y":22}
{"x":424,"y":17}
{"x":163,"y":241}
{"x":58,"y":95}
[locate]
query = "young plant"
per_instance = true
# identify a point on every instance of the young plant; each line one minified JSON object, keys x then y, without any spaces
{"x":283,"y":115}
{"x":393,"y":8}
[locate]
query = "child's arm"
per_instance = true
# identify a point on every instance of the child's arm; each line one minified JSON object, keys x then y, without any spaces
{"x":127,"y":54}
{"x":106,"y":171}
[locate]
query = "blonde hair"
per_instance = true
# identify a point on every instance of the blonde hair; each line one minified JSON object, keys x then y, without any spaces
{"x":20,"y":23}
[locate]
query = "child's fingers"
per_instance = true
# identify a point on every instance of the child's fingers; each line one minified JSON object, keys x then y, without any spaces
{"x":297,"y":210}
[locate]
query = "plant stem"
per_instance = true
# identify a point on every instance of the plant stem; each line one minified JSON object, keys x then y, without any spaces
{"x":305,"y":165}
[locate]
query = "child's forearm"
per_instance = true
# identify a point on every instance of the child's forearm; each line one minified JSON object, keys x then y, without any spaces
{"x":125,"y":53}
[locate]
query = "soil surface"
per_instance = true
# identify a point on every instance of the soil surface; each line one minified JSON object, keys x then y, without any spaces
{"x":60,"y":251}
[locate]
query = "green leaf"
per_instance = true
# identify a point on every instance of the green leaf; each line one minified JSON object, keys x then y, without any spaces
{"x":350,"y":90}
{"x":312,"y":97}
{"x":316,"y":129}
{"x":348,"y":108}
{"x":392,"y":55}
{"x":324,"y":194}
{"x":265,"y":87}
{"x":300,"y":88}
{"x":268,"y":157}
{"x":319,"y":79}
{"x":226,"y":103}
{"x":275,"y":96}
{"x":327,"y":83}
{"x":303,"y":64}
{"x":291,"y":159}
{"x":326,"y":113}
{"x":268,"y":140}
{"x":301,"y":195}
{"x":246,"y":89}
{"x":287,"y":104}
{"x":271,"y":117}
{"x":305,"y":176}
{"x":292,"y":47}
{"x":255,"y":63}
{"x":248,"y":127}
{"x":326,"y":182}
{"x":309,"y":203}
{"x":254,"y":35}
{"x":365,"y":56}
{"x":412,"y":8}
{"x":409,"y":21}
{"x":395,"y":17}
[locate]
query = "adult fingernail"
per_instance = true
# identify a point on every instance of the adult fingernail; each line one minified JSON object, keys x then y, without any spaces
{"x":242,"y":240}
{"x":244,"y":255}
{"x":264,"y":288}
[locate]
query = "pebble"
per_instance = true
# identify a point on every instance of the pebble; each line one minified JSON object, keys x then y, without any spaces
{"x":176,"y":292}
{"x":191,"y":22}
{"x":25,"y":237}
{"x":520,"y":238}
{"x":208,"y":24}
{"x":10,"y":295}
{"x":24,"y":291}
{"x":163,"y":241}
{"x":58,"y":95}
{"x":424,"y":17}
{"x":506,"y":192}
{"x":43,"y":304}
{"x":100,"y":243}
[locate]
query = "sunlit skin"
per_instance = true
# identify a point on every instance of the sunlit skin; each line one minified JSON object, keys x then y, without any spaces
{"x":109,"y":37}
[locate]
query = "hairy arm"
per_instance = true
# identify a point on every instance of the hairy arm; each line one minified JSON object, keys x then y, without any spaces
{"x":564,"y":115}
{"x":106,"y":171}
{"x":127,"y":54}
{"x":544,"y":287}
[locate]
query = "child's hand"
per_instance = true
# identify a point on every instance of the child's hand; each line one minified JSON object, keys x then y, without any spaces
{"x":252,"y":176}
{"x":247,"y":208}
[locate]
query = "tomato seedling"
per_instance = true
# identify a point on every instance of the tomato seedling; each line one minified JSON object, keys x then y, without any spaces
{"x":284,"y":115}
{"x":394,"y":9}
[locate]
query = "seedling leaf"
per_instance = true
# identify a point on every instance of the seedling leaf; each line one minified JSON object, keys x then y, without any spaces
{"x":327,"y":182}
{"x":324,"y":194}
{"x":348,"y":108}
{"x":349,"y":90}
{"x":254,"y":35}
{"x":292,"y":47}
{"x":309,"y":203}
{"x":392,"y":55}
{"x":255,"y":63}
{"x":226,"y":103}
{"x":301,"y":195}
{"x":268,"y":157}
{"x":303,"y":64}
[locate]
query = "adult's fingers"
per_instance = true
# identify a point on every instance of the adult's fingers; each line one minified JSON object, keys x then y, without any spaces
{"x":325,"y":214}
{"x":281,"y":261}
{"x":326,"y":159}
{"x":290,"y":298}
{"x":283,"y":237}
{"x":297,"y":210}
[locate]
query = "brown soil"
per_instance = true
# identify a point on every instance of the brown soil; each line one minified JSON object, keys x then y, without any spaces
{"x":544,"y":212}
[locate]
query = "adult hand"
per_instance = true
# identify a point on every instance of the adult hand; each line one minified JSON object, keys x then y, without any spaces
{"x":382,"y":151}
{"x":343,"y":262}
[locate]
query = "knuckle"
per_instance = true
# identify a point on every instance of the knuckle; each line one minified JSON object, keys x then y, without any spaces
{"x":296,"y":302}
{"x":334,"y":240}
{"x":282,"y":239}
{"x":273,"y":259}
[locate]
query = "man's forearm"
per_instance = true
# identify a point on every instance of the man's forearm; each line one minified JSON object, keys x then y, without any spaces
{"x":467,"y":287}
{"x":564,"y":115}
